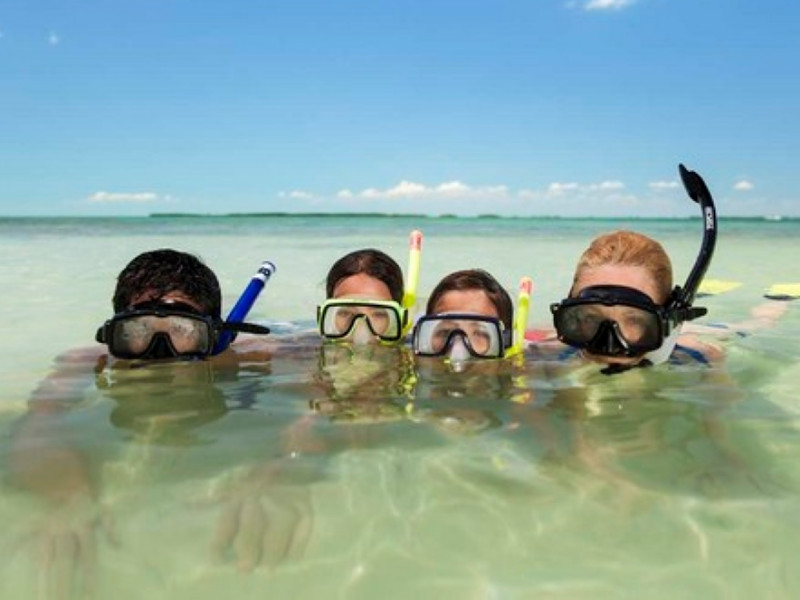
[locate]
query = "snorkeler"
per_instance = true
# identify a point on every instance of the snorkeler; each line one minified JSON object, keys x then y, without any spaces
{"x":622,"y":310}
{"x":469,"y":316}
{"x":167,"y":305}
{"x":366,"y":299}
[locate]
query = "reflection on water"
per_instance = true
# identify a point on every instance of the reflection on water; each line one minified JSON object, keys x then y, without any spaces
{"x":347,"y":472}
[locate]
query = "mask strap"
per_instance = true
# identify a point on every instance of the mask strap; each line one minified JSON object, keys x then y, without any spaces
{"x":616,"y":368}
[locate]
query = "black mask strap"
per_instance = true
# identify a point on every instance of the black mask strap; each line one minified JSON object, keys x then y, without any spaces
{"x":616,"y":368}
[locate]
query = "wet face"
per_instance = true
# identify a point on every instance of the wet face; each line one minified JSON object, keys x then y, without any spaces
{"x":475,"y":302}
{"x":635,"y":277}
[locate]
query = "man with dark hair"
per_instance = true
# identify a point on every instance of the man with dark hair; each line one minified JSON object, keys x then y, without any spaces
{"x":167,"y":307}
{"x":167,"y":304}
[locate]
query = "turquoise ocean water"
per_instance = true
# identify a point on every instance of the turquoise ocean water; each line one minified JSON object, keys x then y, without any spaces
{"x":399,"y":480}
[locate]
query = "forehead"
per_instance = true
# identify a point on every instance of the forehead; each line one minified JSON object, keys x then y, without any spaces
{"x":174,"y":296}
{"x":466,"y":301}
{"x":635,"y":277}
{"x":362,"y":286}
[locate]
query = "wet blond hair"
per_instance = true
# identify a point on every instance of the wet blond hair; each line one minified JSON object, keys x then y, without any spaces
{"x":628,"y":248}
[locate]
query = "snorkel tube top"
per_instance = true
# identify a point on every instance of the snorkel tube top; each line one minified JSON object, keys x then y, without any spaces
{"x":245,"y":303}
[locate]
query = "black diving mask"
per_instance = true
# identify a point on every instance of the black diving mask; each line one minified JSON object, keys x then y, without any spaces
{"x":612,"y":320}
{"x":159,"y":330}
{"x":619,"y":321}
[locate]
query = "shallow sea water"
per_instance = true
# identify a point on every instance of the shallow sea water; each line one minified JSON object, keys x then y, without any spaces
{"x":396,"y":479}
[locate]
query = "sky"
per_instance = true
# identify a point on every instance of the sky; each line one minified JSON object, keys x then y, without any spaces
{"x":536,"y":107}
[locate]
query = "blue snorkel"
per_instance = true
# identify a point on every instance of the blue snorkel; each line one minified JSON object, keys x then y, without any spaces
{"x":245,"y":303}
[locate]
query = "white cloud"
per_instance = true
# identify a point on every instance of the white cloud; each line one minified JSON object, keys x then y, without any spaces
{"x":662,"y":185}
{"x":607,"y":4}
{"x":125,"y":197}
{"x":743,"y":186}
{"x":607,"y":186}
{"x":296,"y":195}
{"x":412,"y":190}
{"x":53,"y":39}
{"x":558,"y":189}
{"x":608,"y":198}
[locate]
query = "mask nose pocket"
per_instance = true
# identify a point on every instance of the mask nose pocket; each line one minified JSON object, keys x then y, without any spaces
{"x":608,"y":341}
{"x":160,"y":347}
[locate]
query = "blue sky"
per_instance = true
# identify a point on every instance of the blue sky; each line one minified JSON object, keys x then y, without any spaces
{"x":537,"y":107}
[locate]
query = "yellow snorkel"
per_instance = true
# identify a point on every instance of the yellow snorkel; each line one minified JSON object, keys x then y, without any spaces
{"x":521,"y":316}
{"x":412,"y":277}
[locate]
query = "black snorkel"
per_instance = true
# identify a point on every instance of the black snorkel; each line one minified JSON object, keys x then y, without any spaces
{"x":679,"y":305}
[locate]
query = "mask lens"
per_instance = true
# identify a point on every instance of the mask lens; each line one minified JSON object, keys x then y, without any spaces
{"x":338,"y":319}
{"x":578,"y":324}
{"x":482,"y":336}
{"x":132,"y":335}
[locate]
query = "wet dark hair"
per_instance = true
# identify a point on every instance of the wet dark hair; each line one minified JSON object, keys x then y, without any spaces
{"x":159,"y":272}
{"x":475,"y":279}
{"x":370,"y":262}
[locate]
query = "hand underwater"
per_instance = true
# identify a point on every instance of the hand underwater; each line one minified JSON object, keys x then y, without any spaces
{"x":262,"y":524}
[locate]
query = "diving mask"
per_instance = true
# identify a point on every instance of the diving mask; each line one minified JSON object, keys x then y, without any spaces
{"x":156,"y":330}
{"x":611,"y":320}
{"x":338,"y":318}
{"x":481,"y":336}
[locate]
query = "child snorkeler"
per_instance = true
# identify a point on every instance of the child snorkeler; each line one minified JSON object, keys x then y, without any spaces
{"x":469,"y":324}
{"x":364,"y":371}
{"x":469,"y":317}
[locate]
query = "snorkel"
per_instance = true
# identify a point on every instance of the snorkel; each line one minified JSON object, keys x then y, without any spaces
{"x":682,"y":298}
{"x":412,"y":278}
{"x":245,"y":303}
{"x":521,"y":318}
{"x":679,"y":307}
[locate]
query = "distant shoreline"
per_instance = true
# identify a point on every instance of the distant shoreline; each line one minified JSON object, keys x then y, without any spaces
{"x":380,"y":216}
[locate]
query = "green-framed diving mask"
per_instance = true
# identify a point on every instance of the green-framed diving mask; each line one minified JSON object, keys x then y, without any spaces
{"x":347,"y":319}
